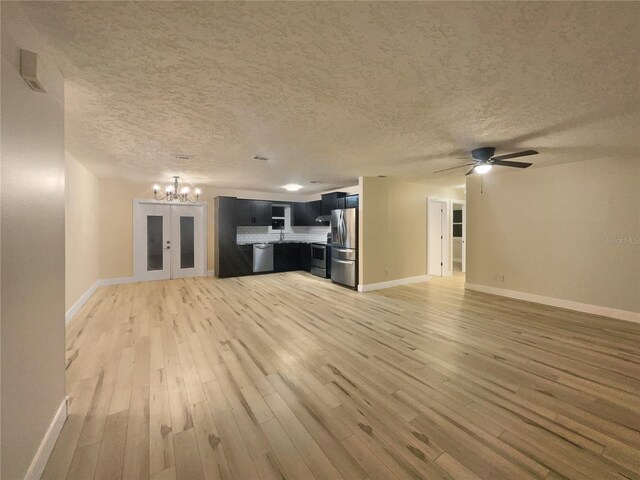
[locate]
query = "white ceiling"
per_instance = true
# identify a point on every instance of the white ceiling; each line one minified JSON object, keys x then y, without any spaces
{"x":333,"y":91}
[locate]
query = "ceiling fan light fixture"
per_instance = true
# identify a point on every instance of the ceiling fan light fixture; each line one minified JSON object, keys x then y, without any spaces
{"x":482,"y":168}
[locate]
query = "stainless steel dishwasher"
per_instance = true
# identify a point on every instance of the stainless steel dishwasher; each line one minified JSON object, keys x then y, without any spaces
{"x":262,"y":257}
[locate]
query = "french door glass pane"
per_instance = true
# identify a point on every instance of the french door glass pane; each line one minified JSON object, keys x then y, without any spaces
{"x":154,"y":242}
{"x":187,"y":245}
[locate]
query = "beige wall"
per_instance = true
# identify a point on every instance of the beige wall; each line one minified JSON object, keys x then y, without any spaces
{"x":82,"y":246}
{"x":116,"y":219}
{"x":393,"y":227}
{"x":546,"y":231}
{"x":32,"y":255}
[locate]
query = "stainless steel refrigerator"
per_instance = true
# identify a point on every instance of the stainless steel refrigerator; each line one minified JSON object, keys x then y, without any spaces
{"x":344,"y":247}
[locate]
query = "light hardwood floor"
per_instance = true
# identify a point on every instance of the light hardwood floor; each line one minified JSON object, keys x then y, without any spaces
{"x":288,"y":376}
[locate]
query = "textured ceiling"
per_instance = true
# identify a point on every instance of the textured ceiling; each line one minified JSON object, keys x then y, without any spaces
{"x":333,"y":91}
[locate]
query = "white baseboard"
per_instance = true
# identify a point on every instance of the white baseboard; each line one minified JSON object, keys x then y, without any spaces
{"x":392,"y":283}
{"x":116,"y":281}
{"x":557,"y":302}
{"x":46,"y":446}
{"x":210,"y":273}
{"x":80,"y":302}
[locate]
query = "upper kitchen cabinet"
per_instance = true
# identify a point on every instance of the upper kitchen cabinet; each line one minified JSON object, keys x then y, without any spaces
{"x":299,"y":216}
{"x":305,"y":214}
{"x":260,"y":213}
{"x":243,"y":212}
{"x":332,"y":201}
{"x":314,"y":210}
{"x":351,"y":201}
{"x":253,"y":213}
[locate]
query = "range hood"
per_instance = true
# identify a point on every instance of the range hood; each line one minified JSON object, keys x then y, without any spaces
{"x":323,"y":218}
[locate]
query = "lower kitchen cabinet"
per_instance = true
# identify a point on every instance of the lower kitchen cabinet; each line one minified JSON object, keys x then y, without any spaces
{"x":245,"y":263}
{"x":286,"y":257}
{"x":305,"y":257}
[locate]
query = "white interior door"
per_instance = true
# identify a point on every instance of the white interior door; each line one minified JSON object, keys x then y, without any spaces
{"x":187,"y":241}
{"x":438,"y":240}
{"x":464,"y":238}
{"x":152,"y":242}
{"x":169,"y":241}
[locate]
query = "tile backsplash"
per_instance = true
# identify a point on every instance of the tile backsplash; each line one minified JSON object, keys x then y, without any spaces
{"x":300,"y":234}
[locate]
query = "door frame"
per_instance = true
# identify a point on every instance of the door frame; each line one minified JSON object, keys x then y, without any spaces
{"x":447,"y":232}
{"x":138,"y":268}
{"x":464,"y":233}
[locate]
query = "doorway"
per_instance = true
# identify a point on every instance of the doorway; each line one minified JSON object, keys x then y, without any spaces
{"x":458,"y":228}
{"x":169,"y":241}
{"x":438,"y":237}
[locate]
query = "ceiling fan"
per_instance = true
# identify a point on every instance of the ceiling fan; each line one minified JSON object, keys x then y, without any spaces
{"x":484,"y":160}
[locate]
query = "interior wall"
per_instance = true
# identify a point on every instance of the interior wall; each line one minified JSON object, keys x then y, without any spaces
{"x":82,"y":246}
{"x":32,"y":247}
{"x":570,"y":231}
{"x":393,"y":227}
{"x":116,"y":219}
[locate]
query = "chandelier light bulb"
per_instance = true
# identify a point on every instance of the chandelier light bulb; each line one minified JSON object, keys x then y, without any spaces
{"x":171,"y":193}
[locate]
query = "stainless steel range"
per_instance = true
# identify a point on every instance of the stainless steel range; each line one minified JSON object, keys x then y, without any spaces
{"x":321,"y":258}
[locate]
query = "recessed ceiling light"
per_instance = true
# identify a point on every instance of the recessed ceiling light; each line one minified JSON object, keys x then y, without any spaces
{"x":292,"y":187}
{"x":260,"y":158}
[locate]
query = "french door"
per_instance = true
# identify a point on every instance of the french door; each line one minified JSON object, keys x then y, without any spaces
{"x":169,"y":241}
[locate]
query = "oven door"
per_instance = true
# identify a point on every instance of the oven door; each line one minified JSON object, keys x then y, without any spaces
{"x":318,"y":256}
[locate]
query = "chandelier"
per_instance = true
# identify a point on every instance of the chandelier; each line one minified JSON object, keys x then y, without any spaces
{"x":171,"y":193}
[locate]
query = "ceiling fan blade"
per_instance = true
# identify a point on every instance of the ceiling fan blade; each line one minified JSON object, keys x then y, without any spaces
{"x":470,"y":171}
{"x":502,"y":163}
{"x":453,"y":168}
{"x":524,"y":153}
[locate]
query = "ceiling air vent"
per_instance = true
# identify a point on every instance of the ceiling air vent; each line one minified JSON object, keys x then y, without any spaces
{"x":183,"y":158}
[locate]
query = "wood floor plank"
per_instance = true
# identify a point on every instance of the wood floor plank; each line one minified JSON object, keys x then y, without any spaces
{"x":136,"y":457}
{"x":292,"y":464}
{"x":111,"y":458}
{"x":188,"y":463}
{"x":287,"y":376}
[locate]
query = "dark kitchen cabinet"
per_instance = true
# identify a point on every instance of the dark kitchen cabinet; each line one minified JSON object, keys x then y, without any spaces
{"x":245,"y":263}
{"x":243,"y":213}
{"x":305,"y":257}
{"x":332,"y":201}
{"x":299,"y":216}
{"x":227,"y":256}
{"x":314,"y":210}
{"x":255,"y":213}
{"x":351,"y":201}
{"x":286,"y":257}
{"x":305,"y":214}
{"x":260,"y":213}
